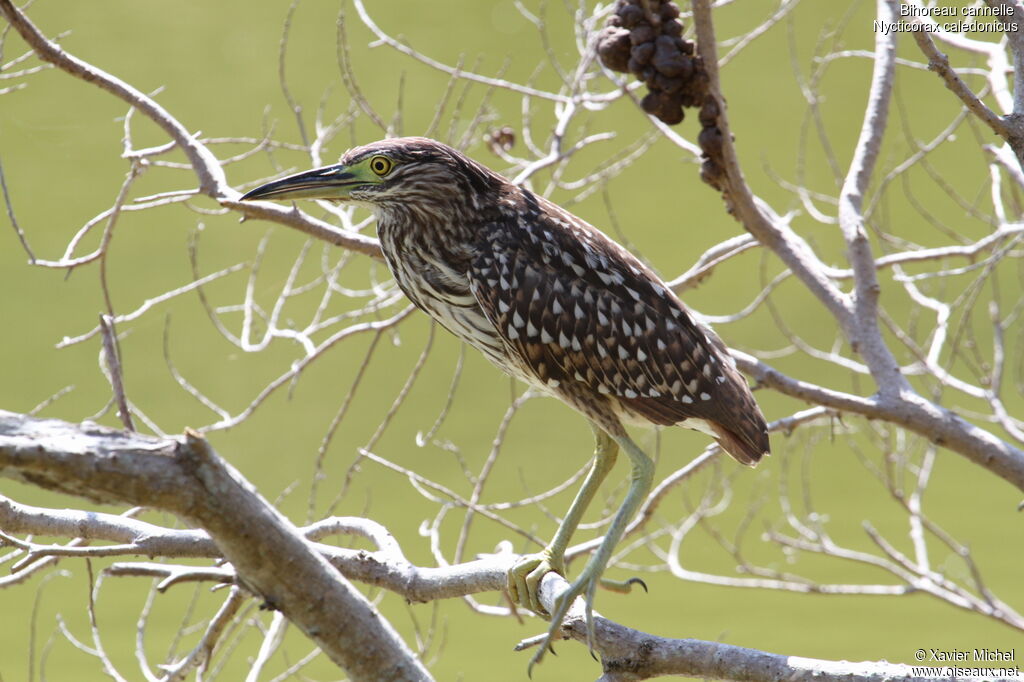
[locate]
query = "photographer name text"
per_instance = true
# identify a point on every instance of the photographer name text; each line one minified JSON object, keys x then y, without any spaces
{"x":959,"y":655}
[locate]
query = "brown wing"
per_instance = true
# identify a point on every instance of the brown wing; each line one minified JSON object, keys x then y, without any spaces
{"x":576,"y":307}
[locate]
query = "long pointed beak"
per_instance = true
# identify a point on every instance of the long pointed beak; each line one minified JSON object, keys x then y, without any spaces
{"x":329,"y":182}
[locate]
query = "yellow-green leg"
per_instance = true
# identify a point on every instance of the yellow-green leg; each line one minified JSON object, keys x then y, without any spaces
{"x":525,"y":576}
{"x":641,"y":479}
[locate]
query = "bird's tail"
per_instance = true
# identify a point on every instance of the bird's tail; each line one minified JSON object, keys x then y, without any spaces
{"x":746,"y":445}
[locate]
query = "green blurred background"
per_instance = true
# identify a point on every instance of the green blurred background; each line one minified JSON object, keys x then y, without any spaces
{"x":216,"y":67}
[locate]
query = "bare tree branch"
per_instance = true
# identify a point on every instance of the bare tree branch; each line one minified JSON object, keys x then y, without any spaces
{"x":186,"y":477}
{"x":212,"y":180}
{"x":917,"y":323}
{"x":896,"y":400}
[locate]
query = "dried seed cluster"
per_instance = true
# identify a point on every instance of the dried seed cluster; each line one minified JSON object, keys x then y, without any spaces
{"x":644,"y":37}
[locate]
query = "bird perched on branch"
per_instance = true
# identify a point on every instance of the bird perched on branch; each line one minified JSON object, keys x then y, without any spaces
{"x":552,"y":301}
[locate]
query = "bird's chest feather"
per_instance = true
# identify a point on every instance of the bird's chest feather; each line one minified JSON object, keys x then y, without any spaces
{"x":435,"y":279}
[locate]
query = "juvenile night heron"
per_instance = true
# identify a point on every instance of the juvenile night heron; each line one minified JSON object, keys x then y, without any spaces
{"x":552,"y":301}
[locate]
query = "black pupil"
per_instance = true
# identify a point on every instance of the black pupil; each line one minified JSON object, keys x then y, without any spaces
{"x":380,"y":165}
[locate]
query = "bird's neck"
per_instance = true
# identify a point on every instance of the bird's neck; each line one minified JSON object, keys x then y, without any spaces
{"x":435,"y":222}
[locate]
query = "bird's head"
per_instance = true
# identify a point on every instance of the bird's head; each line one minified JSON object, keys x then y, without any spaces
{"x":400,"y":173}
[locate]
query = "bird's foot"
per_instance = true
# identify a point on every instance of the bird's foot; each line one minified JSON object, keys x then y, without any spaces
{"x":584,"y":586}
{"x":525,"y":575}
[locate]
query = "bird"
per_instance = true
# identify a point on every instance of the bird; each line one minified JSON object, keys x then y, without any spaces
{"x":555,"y":303}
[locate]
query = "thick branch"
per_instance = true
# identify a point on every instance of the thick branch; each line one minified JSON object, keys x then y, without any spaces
{"x":897,"y":402}
{"x":934,"y":422}
{"x":864,"y":334}
{"x":756,"y":216}
{"x":629,"y":655}
{"x":185,"y":476}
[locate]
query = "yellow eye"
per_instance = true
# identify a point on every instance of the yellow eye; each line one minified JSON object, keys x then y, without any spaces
{"x":381,"y":165}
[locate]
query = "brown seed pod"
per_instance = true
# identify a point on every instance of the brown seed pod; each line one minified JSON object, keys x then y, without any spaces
{"x":631,"y":15}
{"x":669,"y":61}
{"x":645,"y":39}
{"x":666,"y":84}
{"x":642,"y":53}
{"x":643,"y":33}
{"x":502,"y":139}
{"x":671,"y":113}
{"x":651,"y":103}
{"x":710,"y":140}
{"x":672,"y":27}
{"x":613,"y":48}
{"x":709,"y":112}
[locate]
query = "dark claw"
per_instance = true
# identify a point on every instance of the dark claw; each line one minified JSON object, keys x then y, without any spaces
{"x":638,"y":581}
